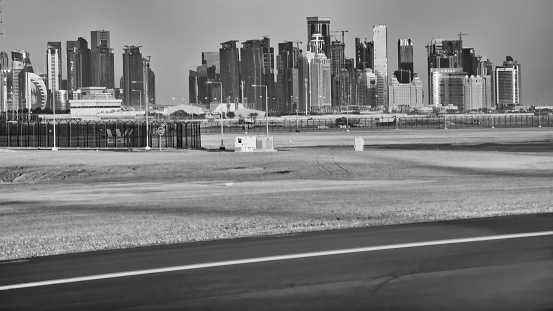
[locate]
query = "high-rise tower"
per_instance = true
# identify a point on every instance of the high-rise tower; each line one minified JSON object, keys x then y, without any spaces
{"x":320,"y":25}
{"x":444,"y":62}
{"x":507,"y":79}
{"x":257,"y":67}
{"x":53,"y":63}
{"x":133,"y":79}
{"x":229,"y":62}
{"x":380,"y":62}
{"x":405,"y":60}
{"x":102,"y":59}
{"x":287,"y":92}
{"x":78,"y":65}
{"x":363,"y":54}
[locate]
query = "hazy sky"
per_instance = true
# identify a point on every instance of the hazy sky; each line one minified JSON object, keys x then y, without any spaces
{"x":175,"y":32}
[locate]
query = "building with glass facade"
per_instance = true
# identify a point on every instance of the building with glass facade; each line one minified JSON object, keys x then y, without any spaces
{"x":507,"y":79}
{"x":229,"y":62}
{"x":380,"y":63}
{"x":102,"y":60}
{"x":364,"y":54}
{"x":405,"y":59}
{"x":257,"y":68}
{"x":78,"y":65}
{"x":53,"y":65}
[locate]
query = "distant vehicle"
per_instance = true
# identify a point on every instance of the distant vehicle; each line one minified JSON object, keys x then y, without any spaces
{"x":386,"y":121}
{"x":245,"y":121}
{"x":323,"y":127}
{"x":352,"y":122}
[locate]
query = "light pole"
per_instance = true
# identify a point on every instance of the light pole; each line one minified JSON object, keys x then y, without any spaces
{"x":222,"y":147}
{"x":266,"y":107}
{"x":54,"y":110}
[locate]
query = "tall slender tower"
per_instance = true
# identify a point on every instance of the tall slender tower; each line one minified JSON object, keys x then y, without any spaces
{"x":53,"y":63}
{"x":133,"y":77}
{"x":229,"y":62}
{"x":102,"y":60}
{"x":257,"y":67}
{"x":78,"y":65}
{"x":380,"y":63}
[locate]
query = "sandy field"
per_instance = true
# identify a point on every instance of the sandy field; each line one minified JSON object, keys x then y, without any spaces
{"x":87,"y":200}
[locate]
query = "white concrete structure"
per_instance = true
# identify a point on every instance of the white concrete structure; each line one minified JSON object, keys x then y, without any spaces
{"x":473,"y":88}
{"x":405,"y":94}
{"x":94,"y":101}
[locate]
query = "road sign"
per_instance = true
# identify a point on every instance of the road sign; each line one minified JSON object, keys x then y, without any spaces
{"x":160,"y":130}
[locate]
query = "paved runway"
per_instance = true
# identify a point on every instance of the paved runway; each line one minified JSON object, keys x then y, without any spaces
{"x":501,"y":263}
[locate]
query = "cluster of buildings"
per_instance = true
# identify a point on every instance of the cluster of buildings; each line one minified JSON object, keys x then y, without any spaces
{"x":89,"y":87}
{"x":322,"y":79}
{"x":460,"y":79}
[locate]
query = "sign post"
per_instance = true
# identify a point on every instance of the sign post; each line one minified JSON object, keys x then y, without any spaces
{"x":160,"y":132}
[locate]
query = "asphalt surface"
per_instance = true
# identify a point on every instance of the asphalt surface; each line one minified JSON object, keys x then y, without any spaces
{"x":515,"y":273}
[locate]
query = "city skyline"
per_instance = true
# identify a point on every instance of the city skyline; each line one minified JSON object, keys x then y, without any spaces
{"x":175,"y":33}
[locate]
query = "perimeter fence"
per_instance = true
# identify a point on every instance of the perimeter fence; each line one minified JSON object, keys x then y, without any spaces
{"x":99,"y":134}
{"x":354,"y":122}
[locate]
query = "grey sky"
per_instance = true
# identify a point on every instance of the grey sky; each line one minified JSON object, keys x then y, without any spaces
{"x":175,"y":32}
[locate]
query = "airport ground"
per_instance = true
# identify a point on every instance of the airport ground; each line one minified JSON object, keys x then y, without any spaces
{"x":86,"y":200}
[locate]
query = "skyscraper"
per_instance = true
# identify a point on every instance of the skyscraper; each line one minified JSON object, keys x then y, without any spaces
{"x":229,"y":61}
{"x":447,"y":87}
{"x":363,"y":54}
{"x":213,"y":64}
{"x":287,"y":92}
{"x":4,"y":79}
{"x":102,"y":59}
{"x":320,"y":25}
{"x":380,"y":62}
{"x":133,"y":79}
{"x":21,"y":63}
{"x":257,"y":67}
{"x":507,"y":79}
{"x":78,"y":65}
{"x":4,"y":61}
{"x":53,"y":63}
{"x":470,"y":61}
{"x":405,"y":59}
{"x":443,"y":54}
{"x":473,"y":87}
{"x":317,"y":76}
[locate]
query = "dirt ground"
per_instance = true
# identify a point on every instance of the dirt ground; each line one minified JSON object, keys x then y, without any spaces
{"x":86,"y":200}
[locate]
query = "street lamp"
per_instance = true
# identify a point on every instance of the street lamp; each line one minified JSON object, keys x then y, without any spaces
{"x":54,"y":113}
{"x":222,"y":147}
{"x":266,"y":107}
{"x":146,"y":113}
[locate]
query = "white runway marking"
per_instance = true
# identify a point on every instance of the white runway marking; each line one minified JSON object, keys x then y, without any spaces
{"x":272,"y":258}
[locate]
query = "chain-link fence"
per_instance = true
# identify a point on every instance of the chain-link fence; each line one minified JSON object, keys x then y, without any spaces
{"x":99,"y":134}
{"x":354,"y":122}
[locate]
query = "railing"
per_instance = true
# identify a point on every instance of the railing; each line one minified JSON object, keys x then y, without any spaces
{"x":98,"y":134}
{"x":357,"y":123}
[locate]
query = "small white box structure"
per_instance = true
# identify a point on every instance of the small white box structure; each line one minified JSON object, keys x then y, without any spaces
{"x":245,"y":144}
{"x":359,"y":143}
{"x":265,"y":143}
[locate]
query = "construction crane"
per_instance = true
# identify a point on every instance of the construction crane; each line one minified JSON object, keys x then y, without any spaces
{"x":343,"y":34}
{"x":461,"y":35}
